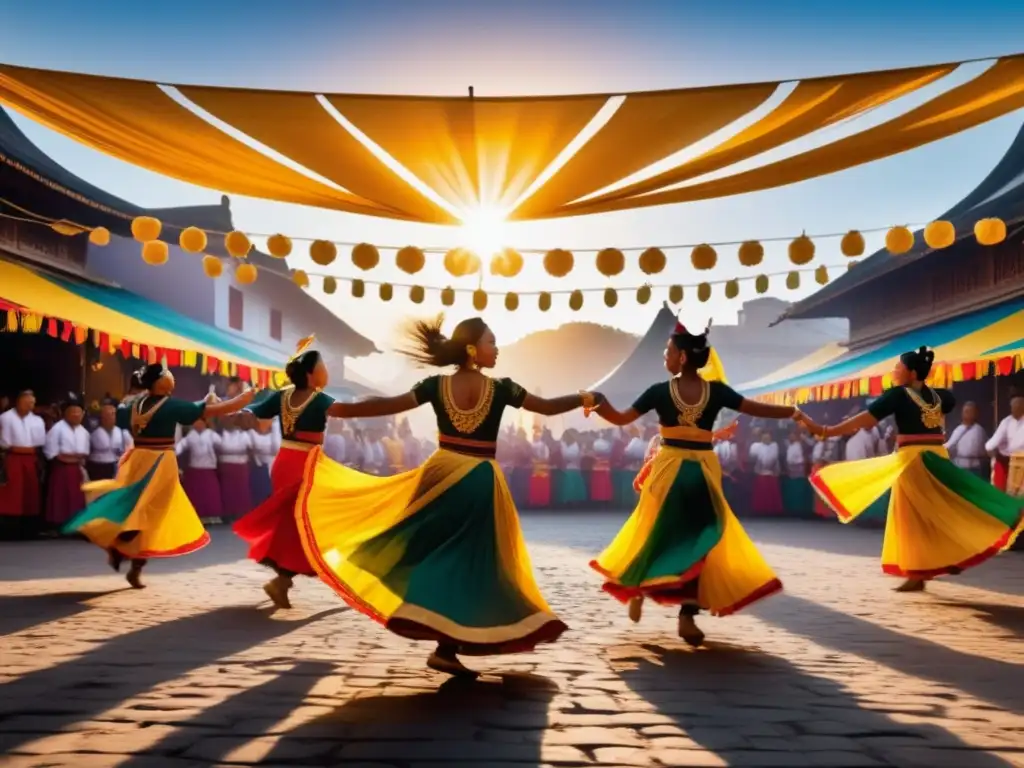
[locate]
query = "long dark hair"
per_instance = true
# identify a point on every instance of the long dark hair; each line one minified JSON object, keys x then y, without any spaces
{"x":299,"y":369}
{"x":695,"y":346}
{"x":919,"y":361}
{"x":427,"y":345}
{"x":150,"y":375}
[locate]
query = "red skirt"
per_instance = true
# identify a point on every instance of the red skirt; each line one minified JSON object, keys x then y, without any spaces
{"x":820,"y":507}
{"x":1000,"y":472}
{"x":539,"y":495}
{"x":64,"y":496}
{"x":270,"y":529}
{"x":19,"y":497}
{"x":601,"y":488}
{"x":203,"y":489}
{"x":767,"y":496}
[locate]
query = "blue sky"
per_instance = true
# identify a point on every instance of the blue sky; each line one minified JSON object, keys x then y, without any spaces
{"x":523,"y":47}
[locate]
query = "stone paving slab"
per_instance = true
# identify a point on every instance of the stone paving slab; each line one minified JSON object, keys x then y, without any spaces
{"x":197,"y":670}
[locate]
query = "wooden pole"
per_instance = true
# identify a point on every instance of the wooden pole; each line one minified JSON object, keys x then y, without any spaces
{"x":471,"y":91}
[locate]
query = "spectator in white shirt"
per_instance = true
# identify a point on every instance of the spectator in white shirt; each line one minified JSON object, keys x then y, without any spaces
{"x":66,"y":448}
{"x":108,"y":443}
{"x":266,"y":442}
{"x":861,"y":445}
{"x":767,"y":494}
{"x":22,"y":434}
{"x":334,"y":441}
{"x":1007,"y":448}
{"x":966,"y":445}
{"x":200,"y":477}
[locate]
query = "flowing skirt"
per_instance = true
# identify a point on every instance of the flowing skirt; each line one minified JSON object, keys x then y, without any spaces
{"x":432,"y":554}
{"x":270,"y":529}
{"x":766,"y":496}
{"x":683,"y":542}
{"x":821,"y":509}
{"x":941,"y":519}
{"x":259,"y":483}
{"x":572,"y":489}
{"x":235,"y":497}
{"x":64,"y":496}
{"x":203,"y":489}
{"x":20,"y":494}
{"x":143,"y":512}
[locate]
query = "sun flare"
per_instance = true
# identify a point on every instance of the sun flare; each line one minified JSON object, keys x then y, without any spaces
{"x":484,"y":232}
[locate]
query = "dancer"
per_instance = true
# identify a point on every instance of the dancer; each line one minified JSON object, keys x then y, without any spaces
{"x":942,"y":519}
{"x":436,"y":553}
{"x":143,"y":512}
{"x":269,"y":529}
{"x":683,"y":545}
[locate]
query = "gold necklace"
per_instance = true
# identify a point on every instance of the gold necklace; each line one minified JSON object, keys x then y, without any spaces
{"x":141,"y":420}
{"x":291,"y":413}
{"x":467,"y":421}
{"x":689,"y":414}
{"x":931,"y":415}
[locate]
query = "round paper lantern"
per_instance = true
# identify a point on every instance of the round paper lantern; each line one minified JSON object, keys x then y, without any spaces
{"x":761,"y":284}
{"x":675,"y":294}
{"x":544,"y":301}
{"x":192,"y":239}
{"x":386,"y":291}
{"x":410,"y":259}
{"x":511,"y":302}
{"x":246,"y":274}
{"x":323,"y":252}
{"x":417,"y":294}
{"x":652,"y":261}
{"x":732,"y":289}
{"x":458,"y":262}
{"x":155,"y":252}
{"x":643,"y":294}
{"x":793,"y":280}
{"x":611,"y":297}
{"x":330,"y":285}
{"x":237,"y":244}
{"x":100,"y":236}
{"x":751,"y":253}
{"x":801,"y":250}
{"x":703,"y":292}
{"x":558,"y":262}
{"x":365,"y":256}
{"x":821,"y":275}
{"x":448,"y":296}
{"x":146,"y":228}
{"x":507,"y":262}
{"x":212,"y":266}
{"x":358,"y":289}
{"x":479,"y":300}
{"x":703,"y":257}
{"x":279,"y":246}
{"x":300,"y":278}
{"x":990,"y":231}
{"x":852,"y":244}
{"x":610,"y":262}
{"x":939,"y":234}
{"x":576,"y":300}
{"x":899,"y":240}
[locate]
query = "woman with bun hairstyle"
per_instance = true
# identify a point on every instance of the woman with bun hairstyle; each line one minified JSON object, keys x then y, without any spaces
{"x":942,"y":519}
{"x":683,"y":545}
{"x":269,"y":529}
{"x":436,"y":553}
{"x":144,"y":512}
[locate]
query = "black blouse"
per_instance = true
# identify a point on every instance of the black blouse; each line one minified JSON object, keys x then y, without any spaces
{"x":481,"y":422}
{"x":664,"y":399}
{"x":916,"y":413}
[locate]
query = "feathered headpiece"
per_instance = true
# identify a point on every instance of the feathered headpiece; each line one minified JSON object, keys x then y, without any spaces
{"x":302,"y":346}
{"x":680,"y":328}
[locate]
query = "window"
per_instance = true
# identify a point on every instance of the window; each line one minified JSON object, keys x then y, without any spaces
{"x":276,"y":325}
{"x":235,"y":309}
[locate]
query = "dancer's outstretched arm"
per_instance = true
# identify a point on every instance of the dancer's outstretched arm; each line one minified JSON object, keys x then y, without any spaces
{"x":613,"y":415}
{"x":765,"y":411}
{"x":554,"y":406}
{"x":225,"y":407}
{"x":374,"y":406}
{"x":863,"y":420}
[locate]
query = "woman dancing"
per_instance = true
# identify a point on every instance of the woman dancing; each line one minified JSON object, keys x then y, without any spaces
{"x":143,"y":512}
{"x":436,"y":553}
{"x":941,"y":519}
{"x":270,"y":528}
{"x":683,"y":545}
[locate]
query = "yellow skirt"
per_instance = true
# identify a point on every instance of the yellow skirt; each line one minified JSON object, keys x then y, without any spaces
{"x":143,"y":512}
{"x":941,"y":519}
{"x":435,"y":553}
{"x":683,"y":543}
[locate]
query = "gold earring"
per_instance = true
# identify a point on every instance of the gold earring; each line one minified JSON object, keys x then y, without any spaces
{"x":471,"y":354}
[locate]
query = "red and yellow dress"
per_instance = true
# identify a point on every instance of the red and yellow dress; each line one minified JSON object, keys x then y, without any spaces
{"x":941,"y":519}
{"x":435,"y":553}
{"x":683,"y":544}
{"x":270,"y":529}
{"x":144,"y":512}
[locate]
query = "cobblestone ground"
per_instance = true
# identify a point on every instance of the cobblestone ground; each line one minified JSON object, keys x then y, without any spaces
{"x":197,"y":670}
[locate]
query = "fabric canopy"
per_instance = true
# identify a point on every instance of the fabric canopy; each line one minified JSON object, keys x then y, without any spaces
{"x":437,"y":160}
{"x":128,"y":322}
{"x":965,"y":347}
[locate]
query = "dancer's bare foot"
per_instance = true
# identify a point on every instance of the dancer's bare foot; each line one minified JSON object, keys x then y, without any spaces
{"x":114,"y":559}
{"x":911,"y":585}
{"x":134,"y":577}
{"x":445,"y":660}
{"x":277,"y":590}
{"x":690,"y":632}
{"x":636,"y":608}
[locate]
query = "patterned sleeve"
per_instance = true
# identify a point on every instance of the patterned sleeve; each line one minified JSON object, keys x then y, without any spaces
{"x":886,"y":404}
{"x":515,"y":394}
{"x":268,"y":406}
{"x":426,"y":391}
{"x":647,"y":401}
